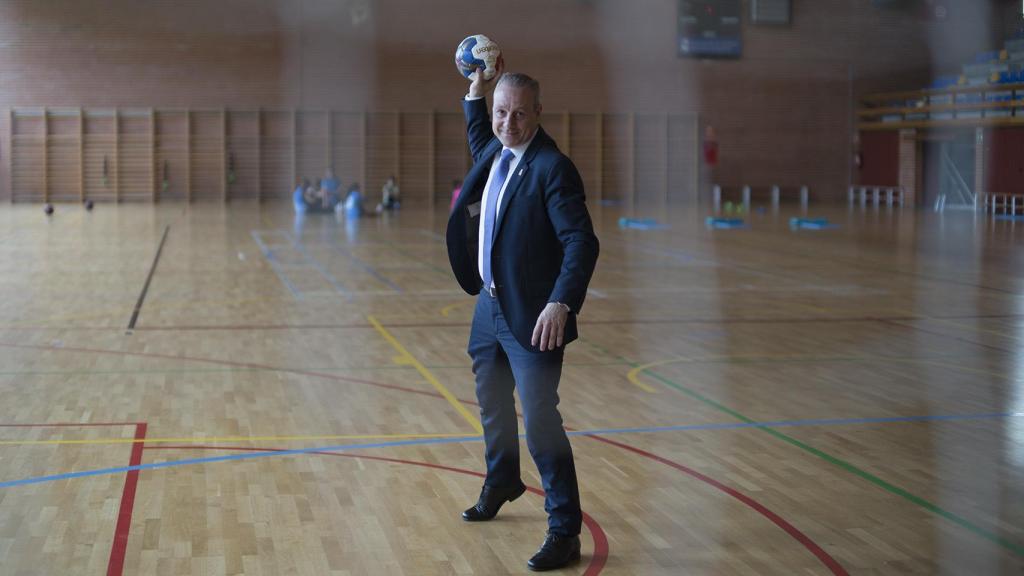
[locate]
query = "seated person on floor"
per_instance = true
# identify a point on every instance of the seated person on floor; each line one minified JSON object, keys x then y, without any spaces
{"x":330,"y":189}
{"x":389,"y":196}
{"x":354,"y":202}
{"x":299,"y":196}
{"x":316,"y":200}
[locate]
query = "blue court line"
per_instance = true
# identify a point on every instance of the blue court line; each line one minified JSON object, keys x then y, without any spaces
{"x":274,"y":264}
{"x":369,"y":269}
{"x":317,"y":266}
{"x":172,"y":463}
{"x":460,"y":439}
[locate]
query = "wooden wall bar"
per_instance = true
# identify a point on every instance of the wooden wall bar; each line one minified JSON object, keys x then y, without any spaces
{"x":641,"y":161}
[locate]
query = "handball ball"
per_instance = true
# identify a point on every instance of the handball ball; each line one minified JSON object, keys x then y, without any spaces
{"x":477,"y":51}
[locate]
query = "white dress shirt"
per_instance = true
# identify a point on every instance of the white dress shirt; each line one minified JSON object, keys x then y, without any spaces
{"x":517,"y":152}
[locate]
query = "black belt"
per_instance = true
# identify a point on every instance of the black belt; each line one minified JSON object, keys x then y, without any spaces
{"x":491,"y":291}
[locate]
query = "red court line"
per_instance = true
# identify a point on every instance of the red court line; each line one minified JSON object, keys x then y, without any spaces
{"x":597,"y":561}
{"x":808,"y":320}
{"x":68,"y":424}
{"x":588,"y":322}
{"x":462,"y":324}
{"x":779,"y":521}
{"x":24,"y":328}
{"x":221,"y":363}
{"x":115,"y":567}
{"x":803,"y":539}
{"x":824,"y":557}
{"x":361,"y":325}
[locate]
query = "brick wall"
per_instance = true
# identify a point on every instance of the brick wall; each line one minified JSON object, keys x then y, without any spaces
{"x":909,"y":165}
{"x":783,"y":113}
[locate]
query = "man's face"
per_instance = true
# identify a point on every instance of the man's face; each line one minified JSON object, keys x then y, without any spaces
{"x":515,"y":116}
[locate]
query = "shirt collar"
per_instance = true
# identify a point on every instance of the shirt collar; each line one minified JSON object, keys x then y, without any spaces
{"x":521,"y":149}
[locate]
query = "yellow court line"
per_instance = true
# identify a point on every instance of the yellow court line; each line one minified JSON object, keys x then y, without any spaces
{"x":633,"y":375}
{"x":447,"y":309}
{"x":205,"y":440}
{"x":406,"y":358}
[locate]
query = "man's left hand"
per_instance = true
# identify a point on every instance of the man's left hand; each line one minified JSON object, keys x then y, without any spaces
{"x":549,"y":331}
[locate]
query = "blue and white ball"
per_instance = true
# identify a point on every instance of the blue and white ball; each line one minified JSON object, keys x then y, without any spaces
{"x":477,"y":52}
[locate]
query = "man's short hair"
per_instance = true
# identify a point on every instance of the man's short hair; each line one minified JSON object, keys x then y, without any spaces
{"x":520,"y":80}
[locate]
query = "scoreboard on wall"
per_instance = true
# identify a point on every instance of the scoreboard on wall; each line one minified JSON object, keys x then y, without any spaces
{"x":710,"y":28}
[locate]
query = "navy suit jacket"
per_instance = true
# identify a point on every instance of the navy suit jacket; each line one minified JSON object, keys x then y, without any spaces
{"x":544,"y":247}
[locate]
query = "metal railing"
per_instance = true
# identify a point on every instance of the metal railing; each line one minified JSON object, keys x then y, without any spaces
{"x":1005,"y":204}
{"x":776,"y":196}
{"x":893,"y":195}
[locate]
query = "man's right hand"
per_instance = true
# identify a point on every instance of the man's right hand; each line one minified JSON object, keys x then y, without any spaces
{"x":478,"y":87}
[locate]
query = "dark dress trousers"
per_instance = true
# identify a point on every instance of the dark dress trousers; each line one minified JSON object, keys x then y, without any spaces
{"x":543,"y":250}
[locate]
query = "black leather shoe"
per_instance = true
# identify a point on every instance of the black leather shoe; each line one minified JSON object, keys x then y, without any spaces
{"x":557,"y":551}
{"x":491,"y":500}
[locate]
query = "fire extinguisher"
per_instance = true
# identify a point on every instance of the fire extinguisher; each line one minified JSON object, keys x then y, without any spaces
{"x":710,"y":147}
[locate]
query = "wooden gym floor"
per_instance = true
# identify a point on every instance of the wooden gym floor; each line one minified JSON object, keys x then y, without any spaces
{"x":295,"y":398}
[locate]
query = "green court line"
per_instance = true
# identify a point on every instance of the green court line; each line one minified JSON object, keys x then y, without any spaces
{"x":731,"y":360}
{"x":931,"y":507}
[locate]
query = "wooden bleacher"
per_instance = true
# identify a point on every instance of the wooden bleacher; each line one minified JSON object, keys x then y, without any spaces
{"x":943,"y":108}
{"x":989,"y":92}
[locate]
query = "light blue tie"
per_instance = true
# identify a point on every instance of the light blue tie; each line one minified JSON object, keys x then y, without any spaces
{"x":491,"y":210}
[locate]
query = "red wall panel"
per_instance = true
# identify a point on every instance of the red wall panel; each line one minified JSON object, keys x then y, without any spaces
{"x":880,"y":158}
{"x":1004,"y":172}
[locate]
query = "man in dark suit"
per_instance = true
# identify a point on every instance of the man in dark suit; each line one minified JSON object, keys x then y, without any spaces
{"x":520,"y":236}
